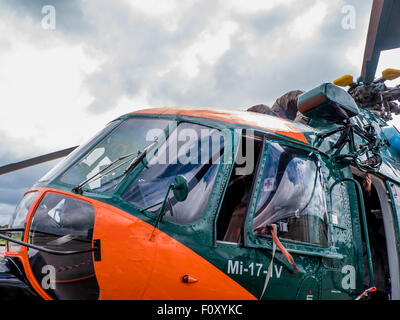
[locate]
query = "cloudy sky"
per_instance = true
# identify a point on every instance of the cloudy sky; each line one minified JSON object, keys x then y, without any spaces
{"x":62,"y":80}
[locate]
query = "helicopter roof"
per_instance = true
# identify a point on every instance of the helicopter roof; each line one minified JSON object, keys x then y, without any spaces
{"x":300,"y":132}
{"x":252,"y":119}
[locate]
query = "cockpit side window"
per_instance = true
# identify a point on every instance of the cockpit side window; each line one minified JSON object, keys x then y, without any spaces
{"x":238,"y":192}
{"x":292,"y":197}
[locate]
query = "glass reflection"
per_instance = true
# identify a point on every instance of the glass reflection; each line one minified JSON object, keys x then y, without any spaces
{"x":193,"y":151}
{"x":293,"y":197}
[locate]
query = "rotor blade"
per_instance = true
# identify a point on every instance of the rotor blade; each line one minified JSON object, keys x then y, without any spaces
{"x":35,"y":161}
{"x":383,"y":34}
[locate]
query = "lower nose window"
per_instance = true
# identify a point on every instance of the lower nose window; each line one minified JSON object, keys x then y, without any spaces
{"x":64,"y":224}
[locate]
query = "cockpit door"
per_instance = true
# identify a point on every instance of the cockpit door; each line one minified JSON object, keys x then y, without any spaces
{"x":290,"y":195}
{"x":343,"y":277}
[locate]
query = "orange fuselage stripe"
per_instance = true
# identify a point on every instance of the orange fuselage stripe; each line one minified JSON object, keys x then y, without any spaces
{"x":252,"y":119}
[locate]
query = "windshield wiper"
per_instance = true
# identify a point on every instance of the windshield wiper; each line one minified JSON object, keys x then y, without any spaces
{"x":139,"y":157}
{"x":78,"y":188}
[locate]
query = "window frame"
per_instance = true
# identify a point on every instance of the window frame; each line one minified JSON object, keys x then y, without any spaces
{"x":297,"y":247}
{"x":135,"y":173}
{"x":240,"y":135}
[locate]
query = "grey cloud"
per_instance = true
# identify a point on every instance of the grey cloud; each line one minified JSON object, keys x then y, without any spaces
{"x":70,"y":15}
{"x":136,"y":47}
{"x":267,"y":21}
{"x":14,"y":184}
{"x":238,"y":80}
{"x":241,"y":80}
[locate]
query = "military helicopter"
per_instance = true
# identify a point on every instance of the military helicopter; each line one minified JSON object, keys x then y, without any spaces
{"x":197,"y":203}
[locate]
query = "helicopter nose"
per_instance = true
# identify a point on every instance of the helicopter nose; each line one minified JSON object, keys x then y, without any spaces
{"x":139,"y":261}
{"x":133,"y":259}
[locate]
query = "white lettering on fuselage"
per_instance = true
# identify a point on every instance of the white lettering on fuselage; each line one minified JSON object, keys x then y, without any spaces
{"x":236,"y":267}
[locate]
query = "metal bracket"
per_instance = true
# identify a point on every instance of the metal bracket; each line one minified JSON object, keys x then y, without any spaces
{"x":97,"y":250}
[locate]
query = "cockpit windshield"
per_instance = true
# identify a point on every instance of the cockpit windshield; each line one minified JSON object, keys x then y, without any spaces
{"x":193,"y":151}
{"x":130,"y":138}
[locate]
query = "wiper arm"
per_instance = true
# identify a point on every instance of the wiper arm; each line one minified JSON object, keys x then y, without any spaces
{"x":141,"y":155}
{"x":78,"y":188}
